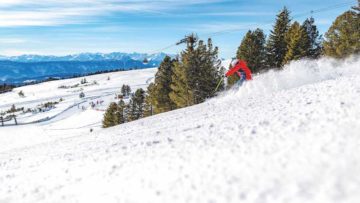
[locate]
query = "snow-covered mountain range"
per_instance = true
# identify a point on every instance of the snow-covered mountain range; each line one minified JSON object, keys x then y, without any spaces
{"x":17,"y":69}
{"x":114,"y":56}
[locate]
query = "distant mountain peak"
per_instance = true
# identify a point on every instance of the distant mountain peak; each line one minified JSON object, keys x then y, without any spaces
{"x":86,"y":56}
{"x":16,"y":69}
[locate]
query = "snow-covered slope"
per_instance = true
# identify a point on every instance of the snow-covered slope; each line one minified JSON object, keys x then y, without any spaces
{"x":288,"y":136}
{"x":73,"y":115}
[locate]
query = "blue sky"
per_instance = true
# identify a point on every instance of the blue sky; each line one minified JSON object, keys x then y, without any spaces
{"x":60,"y":27}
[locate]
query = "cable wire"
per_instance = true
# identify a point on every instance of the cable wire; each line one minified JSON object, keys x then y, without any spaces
{"x":219,"y":33}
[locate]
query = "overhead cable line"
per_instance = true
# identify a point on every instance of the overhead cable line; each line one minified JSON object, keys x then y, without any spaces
{"x":219,"y":33}
{"x":332,"y":7}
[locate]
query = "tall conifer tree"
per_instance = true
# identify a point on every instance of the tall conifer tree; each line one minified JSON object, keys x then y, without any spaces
{"x":148,"y":106}
{"x":204,"y":79}
{"x":181,"y":93}
{"x":276,"y":45}
{"x":125,"y":90}
{"x":109,"y":116}
{"x":297,"y":42}
{"x":342,"y":39}
{"x":252,"y":50}
{"x":136,"y":105}
{"x":120,"y":116}
{"x":196,"y":74}
{"x":159,"y":91}
{"x":314,"y":40}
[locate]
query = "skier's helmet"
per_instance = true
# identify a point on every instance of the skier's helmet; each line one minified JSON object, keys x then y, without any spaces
{"x":234,"y":62}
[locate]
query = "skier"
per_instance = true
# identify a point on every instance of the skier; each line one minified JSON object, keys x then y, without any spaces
{"x":240,"y":68}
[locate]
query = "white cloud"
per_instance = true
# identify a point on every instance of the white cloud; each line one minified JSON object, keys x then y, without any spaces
{"x":12,"y":41}
{"x":7,"y":3}
{"x":323,"y":21}
{"x":58,"y":12}
{"x":216,"y":27}
{"x":43,"y":17}
{"x":240,"y":13}
{"x":13,"y":52}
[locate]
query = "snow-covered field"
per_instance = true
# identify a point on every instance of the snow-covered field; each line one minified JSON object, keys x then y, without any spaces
{"x":73,"y":115}
{"x":288,"y":136}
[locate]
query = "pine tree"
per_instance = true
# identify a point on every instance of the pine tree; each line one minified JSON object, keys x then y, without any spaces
{"x":21,"y":93}
{"x":181,"y":93}
{"x":148,"y":107}
{"x":276,"y":45}
{"x":252,"y":50}
{"x":125,"y":90}
{"x":159,"y":90}
{"x":119,"y":115}
{"x":357,"y":8}
{"x":150,"y":98}
{"x":196,"y":74}
{"x":109,"y":116}
{"x":136,"y":105}
{"x":83,"y":81}
{"x":204,"y":78}
{"x":297,"y":43}
{"x":131,"y":111}
{"x":342,"y":39}
{"x":115,"y":114}
{"x":314,"y":40}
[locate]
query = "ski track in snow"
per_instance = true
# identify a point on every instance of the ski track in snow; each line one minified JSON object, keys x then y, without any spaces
{"x":41,"y":93}
{"x":287,"y":136}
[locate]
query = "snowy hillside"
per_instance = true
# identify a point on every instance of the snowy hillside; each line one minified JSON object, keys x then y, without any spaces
{"x":73,"y":115}
{"x":287,"y":136}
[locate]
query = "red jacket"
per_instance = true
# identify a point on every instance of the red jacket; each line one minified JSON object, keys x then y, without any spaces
{"x":240,"y":65}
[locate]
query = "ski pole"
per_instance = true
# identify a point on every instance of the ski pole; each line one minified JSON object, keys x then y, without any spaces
{"x":218,"y":85}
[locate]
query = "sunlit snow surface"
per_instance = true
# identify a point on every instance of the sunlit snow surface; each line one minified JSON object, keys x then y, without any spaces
{"x":74,"y":116}
{"x":287,"y":136}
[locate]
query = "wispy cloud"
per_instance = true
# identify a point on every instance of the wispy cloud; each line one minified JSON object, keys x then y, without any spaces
{"x":18,"y":52}
{"x":215,"y":27}
{"x":12,"y":40}
{"x":240,"y":13}
{"x":69,"y":26}
{"x":323,"y":21}
{"x":60,"y":12}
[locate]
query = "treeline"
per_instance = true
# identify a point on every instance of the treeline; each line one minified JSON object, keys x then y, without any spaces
{"x":192,"y":77}
{"x":6,"y":88}
{"x":291,"y":40}
{"x":189,"y":79}
{"x":186,"y":80}
{"x":118,"y":113}
{"x":102,"y":71}
{"x":49,"y":79}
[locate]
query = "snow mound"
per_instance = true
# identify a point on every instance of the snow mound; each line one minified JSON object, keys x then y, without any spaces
{"x":296,"y":74}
